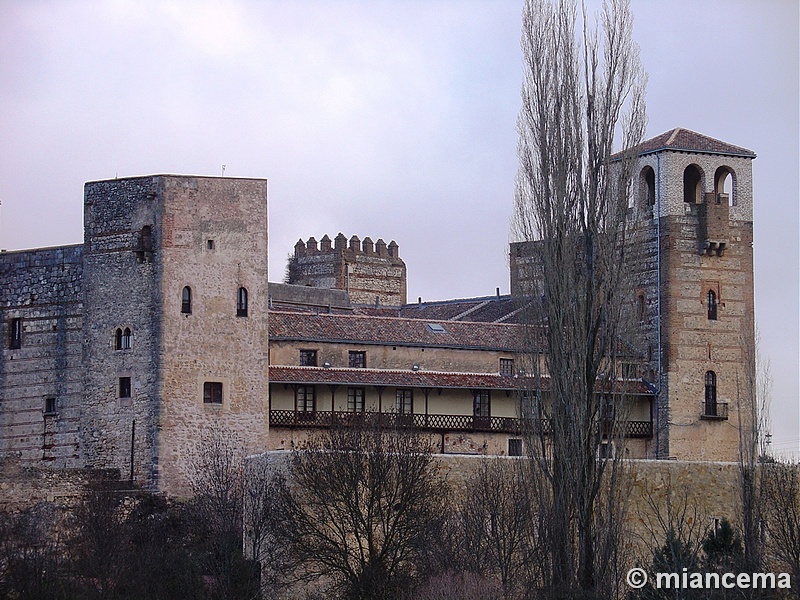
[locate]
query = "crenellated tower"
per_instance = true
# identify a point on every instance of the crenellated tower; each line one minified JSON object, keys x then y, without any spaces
{"x":371,"y":272}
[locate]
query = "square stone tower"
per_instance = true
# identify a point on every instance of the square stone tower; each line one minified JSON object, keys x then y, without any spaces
{"x":174,"y":321}
{"x":693,"y":212}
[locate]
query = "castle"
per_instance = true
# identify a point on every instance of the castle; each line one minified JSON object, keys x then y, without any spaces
{"x":120,"y":352}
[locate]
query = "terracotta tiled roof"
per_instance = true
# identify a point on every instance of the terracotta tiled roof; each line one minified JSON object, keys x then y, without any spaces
{"x":419,"y":379}
{"x":391,"y":377}
{"x":396,"y":331}
{"x":685,"y":140}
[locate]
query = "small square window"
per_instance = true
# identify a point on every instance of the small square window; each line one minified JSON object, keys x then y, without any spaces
{"x":514,"y":447}
{"x":357,"y":359}
{"x":212,"y":392}
{"x":506,"y":366}
{"x":210,"y":244}
{"x":308,"y":358}
{"x":124,"y":387}
{"x":49,"y":406}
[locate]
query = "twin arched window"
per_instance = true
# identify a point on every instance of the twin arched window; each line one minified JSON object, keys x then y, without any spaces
{"x":123,"y":339}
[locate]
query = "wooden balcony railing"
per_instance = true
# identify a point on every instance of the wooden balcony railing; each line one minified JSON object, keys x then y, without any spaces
{"x":439,"y":423}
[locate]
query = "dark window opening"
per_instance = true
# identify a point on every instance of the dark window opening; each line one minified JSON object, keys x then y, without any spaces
{"x":711,"y":394}
{"x":506,"y":366}
{"x":210,"y":244}
{"x":186,"y":300}
{"x":514,"y":447}
{"x":712,"y":305}
{"x":357,"y":359}
{"x":405,"y":401}
{"x":15,"y":337}
{"x":691,"y":184}
{"x":212,"y":392}
{"x":124,"y":387}
{"x":355,"y":399}
{"x":480,"y":403}
{"x":308,"y":358}
{"x":605,"y":451}
{"x":641,"y":307}
{"x":305,"y":398}
{"x":649,"y":177}
{"x":123,"y":339}
{"x":49,"y":406}
{"x":241,"y":302}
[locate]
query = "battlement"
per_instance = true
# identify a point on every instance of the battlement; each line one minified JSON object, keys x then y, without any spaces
{"x":341,"y":244}
{"x":371,"y":272}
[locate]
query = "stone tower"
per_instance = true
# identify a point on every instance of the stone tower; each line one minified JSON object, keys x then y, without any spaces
{"x":693,"y":210}
{"x":372,"y":272}
{"x":692,"y":243}
{"x":174,"y":321}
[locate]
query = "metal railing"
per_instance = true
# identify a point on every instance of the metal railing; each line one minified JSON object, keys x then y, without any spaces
{"x":715,"y":410}
{"x":431,"y":422}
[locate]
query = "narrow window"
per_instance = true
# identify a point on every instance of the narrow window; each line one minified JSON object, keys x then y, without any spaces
{"x":212,"y":392}
{"x":210,"y":244}
{"x":506,"y":366}
{"x":124,"y":387}
{"x":241,"y":302}
{"x":357,"y":359}
{"x":691,"y":184}
{"x":308,"y":358}
{"x":605,"y":451}
{"x":480,"y":403}
{"x":514,"y":447}
{"x":49,"y":406}
{"x":712,"y":305}
{"x":405,"y":401}
{"x":711,"y":394}
{"x":15,"y":337}
{"x":118,"y":339}
{"x":641,"y":307}
{"x":127,"y":339}
{"x":305,"y":398}
{"x":186,"y":300}
{"x":355,"y":399}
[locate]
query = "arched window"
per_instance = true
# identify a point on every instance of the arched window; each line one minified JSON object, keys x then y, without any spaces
{"x":711,"y":394}
{"x":641,"y":306}
{"x":186,"y":300}
{"x":241,"y":302}
{"x":712,"y":305}
{"x":118,"y":339}
{"x":127,"y":338}
{"x":648,"y":186}
{"x":691,"y":184}
{"x":723,"y":185}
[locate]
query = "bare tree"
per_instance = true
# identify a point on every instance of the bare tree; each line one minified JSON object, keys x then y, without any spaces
{"x":361,"y":509}
{"x":498,"y":526}
{"x":579,"y":96}
{"x":781,"y":485}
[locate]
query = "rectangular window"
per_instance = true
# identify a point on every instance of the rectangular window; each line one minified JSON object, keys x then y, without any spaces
{"x":15,"y":335}
{"x":355,"y":399}
{"x":506,"y":366}
{"x":605,"y":451}
{"x":514,"y":447}
{"x":308,"y":358}
{"x":124,"y":387}
{"x":49,"y":406}
{"x":212,"y":392}
{"x":357,"y":359}
{"x":405,"y":402}
{"x":305,"y":399}
{"x":630,"y":371}
{"x":480,"y":403}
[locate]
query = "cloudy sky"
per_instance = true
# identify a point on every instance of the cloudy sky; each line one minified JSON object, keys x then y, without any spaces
{"x":392,"y":119}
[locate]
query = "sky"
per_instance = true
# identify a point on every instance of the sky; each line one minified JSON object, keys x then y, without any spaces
{"x":389,"y":119}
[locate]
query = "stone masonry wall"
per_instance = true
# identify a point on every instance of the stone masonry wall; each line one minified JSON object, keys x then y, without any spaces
{"x":40,"y":381}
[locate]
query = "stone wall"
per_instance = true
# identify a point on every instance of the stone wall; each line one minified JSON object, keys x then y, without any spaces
{"x":40,"y":372}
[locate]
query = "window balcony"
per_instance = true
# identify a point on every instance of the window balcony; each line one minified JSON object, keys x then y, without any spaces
{"x":715,"y":411}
